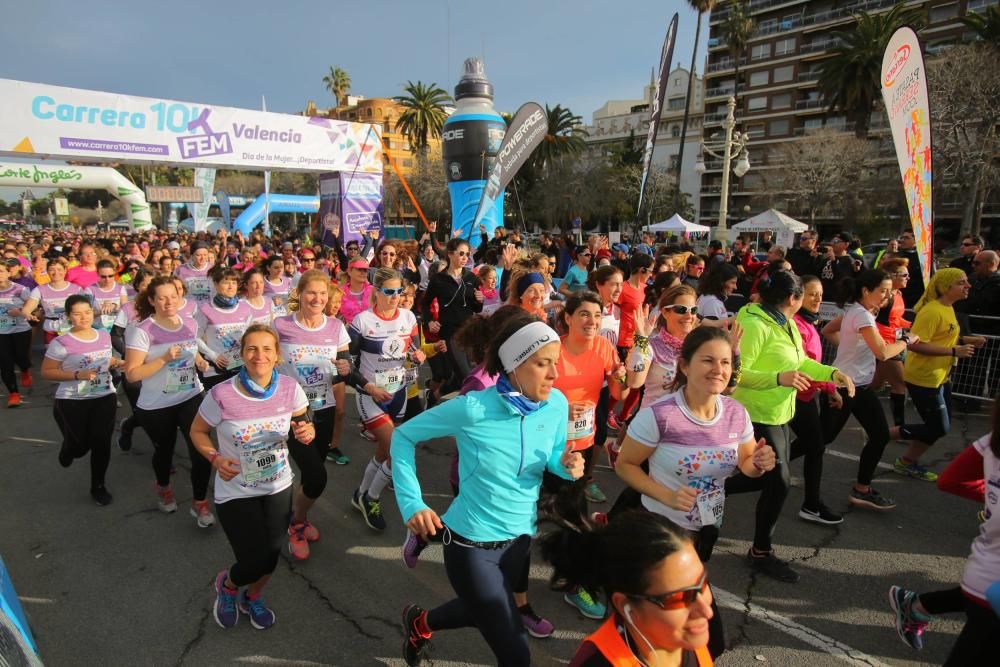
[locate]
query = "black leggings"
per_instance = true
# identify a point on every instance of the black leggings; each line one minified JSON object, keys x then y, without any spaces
{"x":483,"y":580}
{"x":311,"y":458}
{"x":773,"y":485}
{"x":976,"y":644}
{"x":162,"y":425}
{"x":86,"y":426}
{"x":809,"y":442}
{"x":15,"y":349}
{"x":867,"y":409}
{"x":949,"y":601}
{"x":257,"y":529}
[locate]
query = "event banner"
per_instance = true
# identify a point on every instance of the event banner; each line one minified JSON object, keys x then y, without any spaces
{"x":204,"y":178}
{"x":666,"y":57}
{"x":525,"y":133}
{"x":904,"y":92}
{"x":352,"y":202}
{"x":76,"y":124}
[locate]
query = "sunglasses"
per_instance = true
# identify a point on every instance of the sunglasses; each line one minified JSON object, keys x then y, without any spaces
{"x":678,"y":309}
{"x":105,"y":275}
{"x":585,"y":254}
{"x":461,"y":253}
{"x":352,"y":248}
{"x":391,"y":291}
{"x":308,"y":259}
{"x":388,"y":254}
{"x":678,"y":599}
{"x":901,"y":275}
{"x":967,"y":244}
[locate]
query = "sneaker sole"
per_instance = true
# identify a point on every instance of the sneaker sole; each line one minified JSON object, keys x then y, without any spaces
{"x":369,"y":523}
{"x":297,"y":559}
{"x":806,"y":516}
{"x":593,"y":617}
{"x":168,"y":509}
{"x":538,"y":635}
{"x":870,"y":505}
{"x":207,"y":523}
{"x":402,"y":551}
{"x":897,"y":612}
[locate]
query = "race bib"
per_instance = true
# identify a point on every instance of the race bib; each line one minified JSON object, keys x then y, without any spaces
{"x":711,"y":505}
{"x":61,"y":324}
{"x":181,"y":378}
{"x":262,"y":465}
{"x":581,"y":427}
{"x":200,"y":288}
{"x":314,"y":384}
{"x":412,"y":376}
{"x":6,"y":321}
{"x":101,"y":384}
{"x":391,"y":379}
{"x":108,"y":321}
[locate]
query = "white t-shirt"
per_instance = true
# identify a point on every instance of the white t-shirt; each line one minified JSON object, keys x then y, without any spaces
{"x":13,"y":298}
{"x":262,"y":315}
{"x":854,"y":358}
{"x":692,"y":452}
{"x":76,"y":354}
{"x":101,"y":297}
{"x":983,"y":566}
{"x":710,"y":306}
{"x":53,"y":303}
{"x":221,"y":332}
{"x":175,"y":382}
{"x":307,"y":355}
{"x":384,"y":345}
{"x":253,"y":431}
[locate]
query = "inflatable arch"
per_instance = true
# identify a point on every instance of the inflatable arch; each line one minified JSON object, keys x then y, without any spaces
{"x":20,"y":174}
{"x":253,"y":214}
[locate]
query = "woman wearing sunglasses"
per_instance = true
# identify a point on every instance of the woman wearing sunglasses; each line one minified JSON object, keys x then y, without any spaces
{"x":658,"y":591}
{"x":891,"y":325}
{"x":357,"y":291}
{"x":385,"y":337}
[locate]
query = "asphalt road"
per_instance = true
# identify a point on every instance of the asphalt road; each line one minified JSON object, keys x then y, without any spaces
{"x":127,"y":585}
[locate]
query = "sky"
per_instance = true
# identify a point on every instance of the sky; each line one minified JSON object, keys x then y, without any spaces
{"x":226,"y":52}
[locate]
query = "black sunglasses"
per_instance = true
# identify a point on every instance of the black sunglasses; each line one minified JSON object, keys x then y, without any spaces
{"x":679,"y":599}
{"x":679,"y":309}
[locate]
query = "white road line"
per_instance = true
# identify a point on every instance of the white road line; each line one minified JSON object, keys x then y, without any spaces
{"x":14,"y":437}
{"x":852,"y":457}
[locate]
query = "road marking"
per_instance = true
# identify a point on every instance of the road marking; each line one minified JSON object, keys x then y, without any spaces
{"x":852,"y":457}
{"x":29,"y":600}
{"x":268,"y":660}
{"x":14,"y":437}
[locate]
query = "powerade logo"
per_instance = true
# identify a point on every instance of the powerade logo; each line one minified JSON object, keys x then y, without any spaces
{"x":452,"y":135}
{"x":896,"y":65}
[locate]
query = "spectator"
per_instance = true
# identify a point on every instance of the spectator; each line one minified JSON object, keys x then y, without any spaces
{"x":803,"y":258}
{"x":890,"y":250}
{"x":766,"y":240}
{"x":693,"y":270}
{"x":576,"y":276}
{"x":970,"y":248}
{"x":908,"y":249}
{"x":620,"y":258}
{"x":842,"y":265}
{"x":648,"y":245}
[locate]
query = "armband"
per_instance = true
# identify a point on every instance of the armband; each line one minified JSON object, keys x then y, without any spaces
{"x":303,"y":418}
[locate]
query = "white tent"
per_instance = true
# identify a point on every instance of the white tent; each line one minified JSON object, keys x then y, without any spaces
{"x":784,"y":227}
{"x":677,"y":225}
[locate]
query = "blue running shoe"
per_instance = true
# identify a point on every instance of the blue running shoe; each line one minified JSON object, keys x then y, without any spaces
{"x":225,"y":610}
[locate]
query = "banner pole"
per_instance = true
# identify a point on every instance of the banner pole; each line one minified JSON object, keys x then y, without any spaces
{"x":406,"y":186}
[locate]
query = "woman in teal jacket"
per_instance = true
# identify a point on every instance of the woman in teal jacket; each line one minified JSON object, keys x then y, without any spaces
{"x":773,"y":367}
{"x":507,"y":436}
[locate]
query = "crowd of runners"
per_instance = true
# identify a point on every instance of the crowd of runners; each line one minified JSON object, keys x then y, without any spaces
{"x":699,"y":377}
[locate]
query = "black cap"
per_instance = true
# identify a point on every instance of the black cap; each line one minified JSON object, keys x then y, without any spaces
{"x":474,"y":82}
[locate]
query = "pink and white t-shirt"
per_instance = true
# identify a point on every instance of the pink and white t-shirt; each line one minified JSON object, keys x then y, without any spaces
{"x":220,"y":333}
{"x":76,"y":354}
{"x":53,"y":303}
{"x":177,"y":381}
{"x":308,"y":356}
{"x":126,"y":315}
{"x":692,"y":452}
{"x":983,"y":565}
{"x":262,"y":315}
{"x":277,"y":294}
{"x":253,"y":431}
{"x":13,"y":298}
{"x":662,"y":370}
{"x":101,"y":297}
{"x":188,"y":308}
{"x":196,"y":281}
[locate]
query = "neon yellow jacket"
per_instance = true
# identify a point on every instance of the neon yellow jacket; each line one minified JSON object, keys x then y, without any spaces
{"x":767,"y":350}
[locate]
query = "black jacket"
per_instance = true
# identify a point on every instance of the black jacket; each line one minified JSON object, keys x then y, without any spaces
{"x":915,"y":287}
{"x":802,"y":261}
{"x":456,"y":300}
{"x":964,"y":263}
{"x":984,"y":299}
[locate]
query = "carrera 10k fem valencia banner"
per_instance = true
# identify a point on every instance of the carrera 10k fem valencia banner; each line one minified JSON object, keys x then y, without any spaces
{"x":904,"y":91}
{"x":74,"y":124}
{"x":666,"y":57}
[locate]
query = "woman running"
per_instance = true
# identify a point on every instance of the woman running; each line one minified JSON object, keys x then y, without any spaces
{"x":84,"y":408}
{"x":715,"y":286}
{"x":15,"y":336}
{"x":107,"y":295}
{"x":333,"y":304}
{"x":161,"y":352}
{"x":928,"y":365}
{"x":52,"y":297}
{"x":357,"y":292}
{"x":860,"y":346}
{"x":528,"y":292}
{"x":127,"y":316}
{"x":662,"y":606}
{"x":488,"y":528}
{"x":384,"y":337}
{"x":261,"y":308}
{"x":891,"y":323}
{"x":277,"y":286}
{"x":194,"y":273}
{"x":186,"y":308}
{"x":221,"y":323}
{"x":773,"y":367}
{"x":314,"y":352}
{"x":254,"y":416}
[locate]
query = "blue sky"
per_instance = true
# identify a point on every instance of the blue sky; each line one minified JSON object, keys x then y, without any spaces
{"x":229,"y":52}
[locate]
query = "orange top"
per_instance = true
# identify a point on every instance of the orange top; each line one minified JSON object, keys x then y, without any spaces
{"x":612,"y":646}
{"x":580,"y":378}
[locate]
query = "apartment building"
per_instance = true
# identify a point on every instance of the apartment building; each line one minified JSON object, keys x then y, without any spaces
{"x":778,"y":99}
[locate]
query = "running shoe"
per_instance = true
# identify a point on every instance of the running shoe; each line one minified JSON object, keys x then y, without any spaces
{"x":414,"y":641}
{"x":613,"y":423}
{"x":261,"y":617}
{"x":908,"y":627}
{"x":298,"y":545}
{"x":310,"y":532}
{"x":225,"y":610}
{"x":586,"y":604}
{"x":65,"y":458}
{"x":367,"y":435}
{"x":913,"y":469}
{"x":165,"y":498}
{"x":600,"y":518}
{"x":371,"y":510}
{"x":820,"y":514}
{"x":594,"y":493}
{"x":871,"y":499}
{"x":338,"y":457}
{"x":125,"y":435}
{"x":101,"y":496}
{"x":772,"y":566}
{"x":537,"y":627}
{"x":200,"y":511}
{"x":26,"y":379}
{"x":14,"y":400}
{"x":413,"y":545}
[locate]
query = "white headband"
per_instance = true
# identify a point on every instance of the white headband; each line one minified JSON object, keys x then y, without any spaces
{"x":525,"y":342}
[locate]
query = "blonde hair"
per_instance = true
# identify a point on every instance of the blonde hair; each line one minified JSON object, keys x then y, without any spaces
{"x":333,"y":292}
{"x":310,"y":276}
{"x":381,"y":277}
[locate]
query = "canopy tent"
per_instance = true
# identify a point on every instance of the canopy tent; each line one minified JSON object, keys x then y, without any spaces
{"x":677,"y":225}
{"x":784,"y":227}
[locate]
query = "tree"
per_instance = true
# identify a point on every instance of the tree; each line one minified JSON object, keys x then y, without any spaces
{"x":338,"y":82}
{"x":964,"y":89}
{"x":737,"y":30}
{"x":424,"y":113}
{"x":563,"y":138}
{"x":701,"y":6}
{"x":821,"y":169}
{"x":986,"y":25}
{"x":849,"y":78}
{"x":627,"y":152}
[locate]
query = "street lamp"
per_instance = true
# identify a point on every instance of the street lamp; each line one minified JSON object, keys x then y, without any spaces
{"x":734,"y":146}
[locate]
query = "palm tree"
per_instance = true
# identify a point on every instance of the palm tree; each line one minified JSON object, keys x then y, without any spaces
{"x":986,"y":25}
{"x":701,"y":6}
{"x":564,"y":137}
{"x":737,"y":31}
{"x":849,"y":79}
{"x":424,"y":113}
{"x":338,"y":82}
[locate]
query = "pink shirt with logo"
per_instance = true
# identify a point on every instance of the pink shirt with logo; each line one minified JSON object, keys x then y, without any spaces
{"x":76,"y":354}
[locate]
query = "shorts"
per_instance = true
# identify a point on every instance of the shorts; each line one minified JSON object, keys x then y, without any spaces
{"x":374,"y":415}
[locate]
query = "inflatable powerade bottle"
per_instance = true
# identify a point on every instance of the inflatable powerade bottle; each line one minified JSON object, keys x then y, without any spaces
{"x":470,"y":140}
